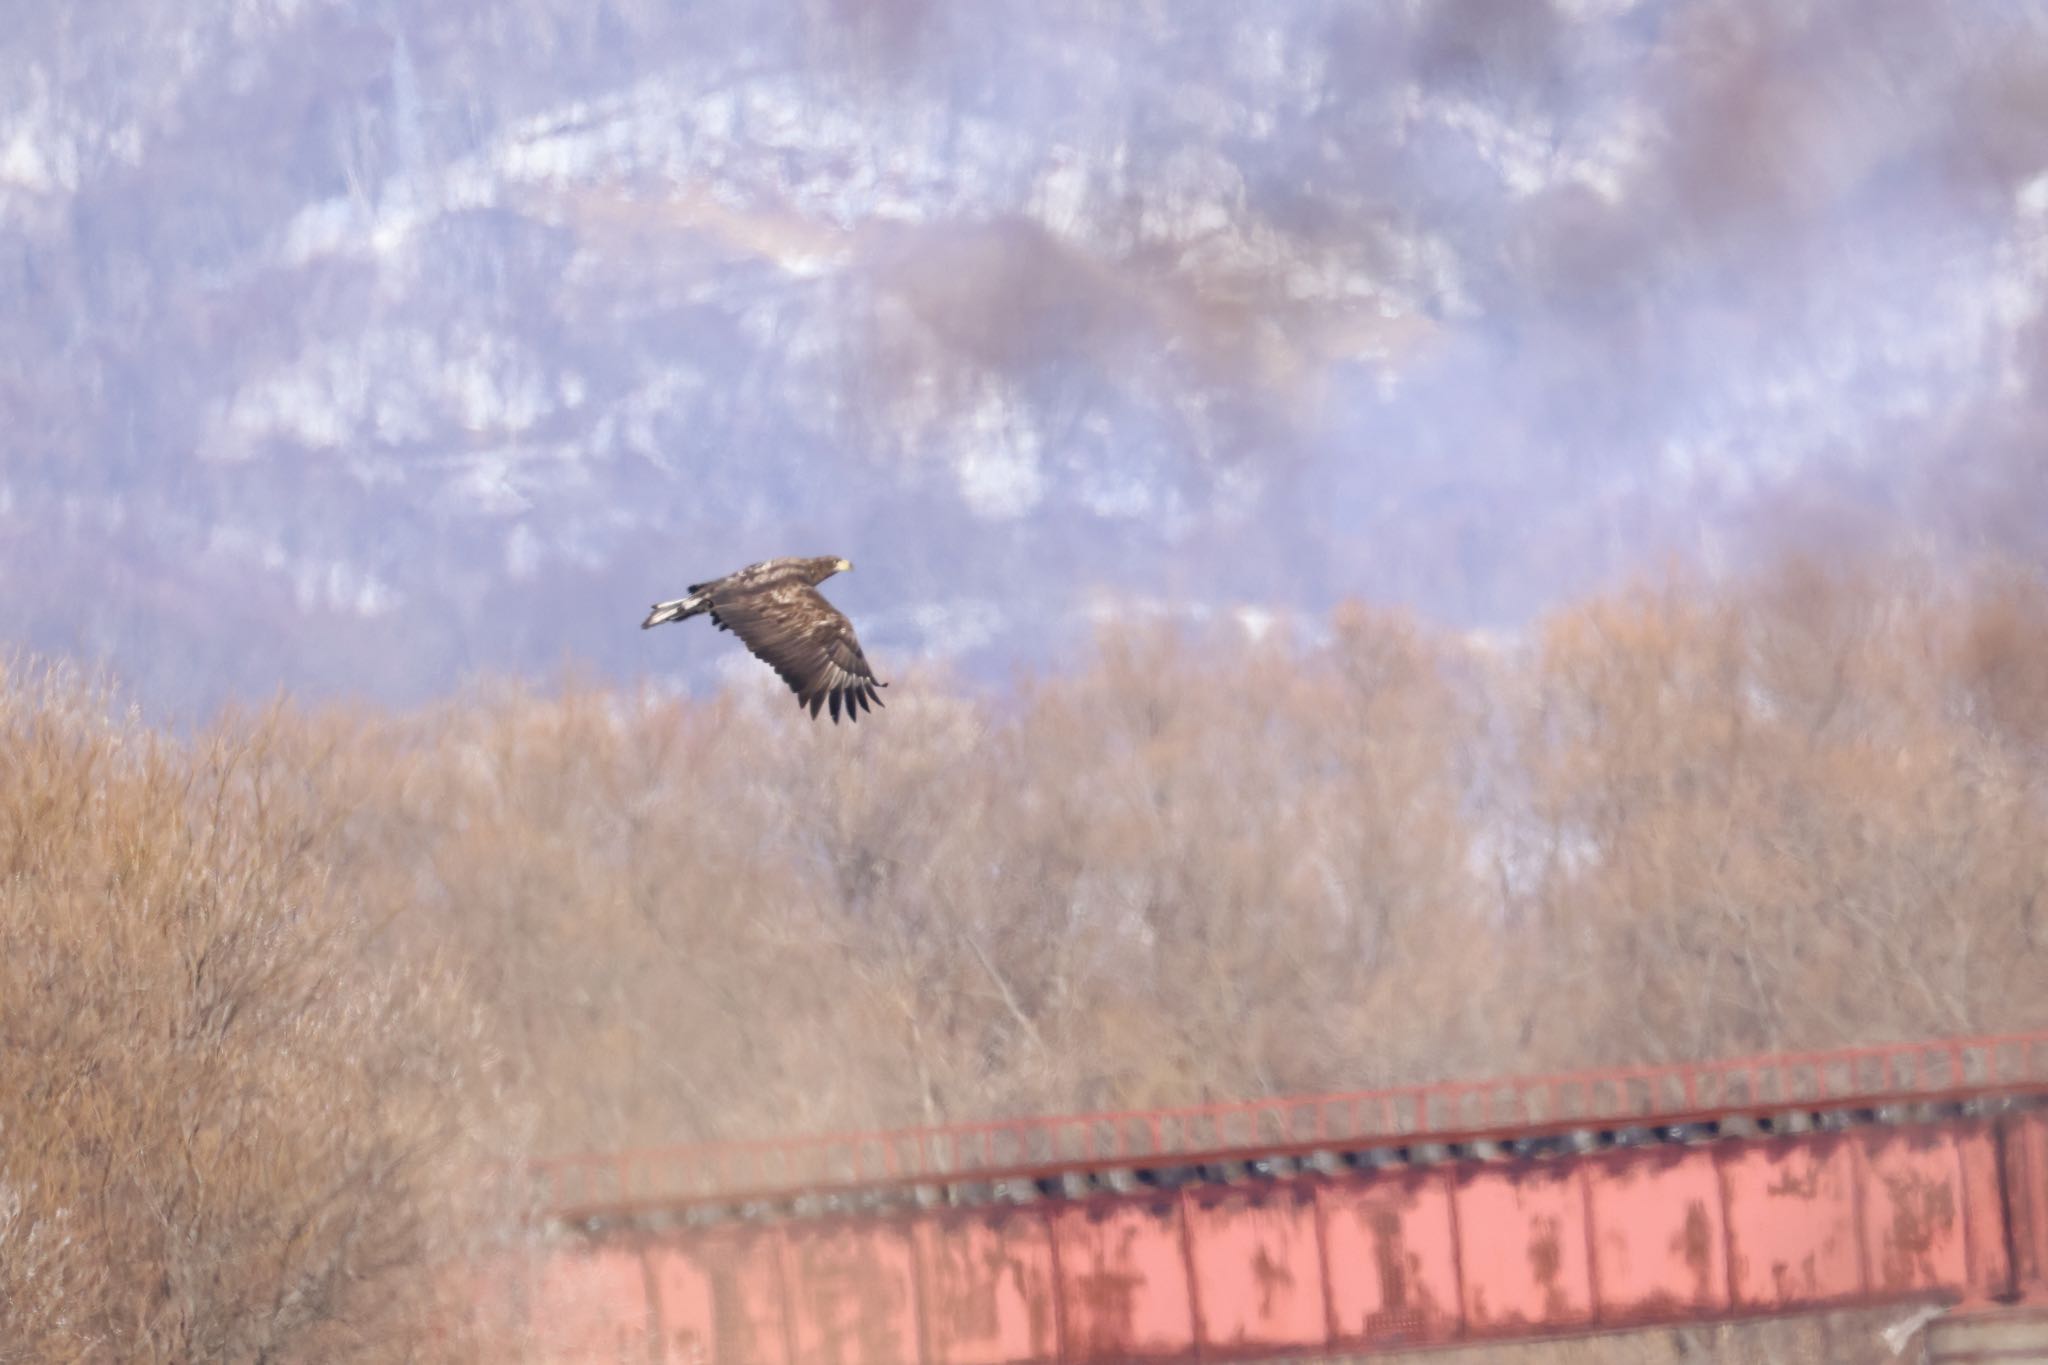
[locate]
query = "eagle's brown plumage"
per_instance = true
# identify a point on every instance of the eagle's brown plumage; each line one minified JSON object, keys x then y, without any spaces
{"x":781,"y":617}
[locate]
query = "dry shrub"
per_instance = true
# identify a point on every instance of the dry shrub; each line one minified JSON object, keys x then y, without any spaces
{"x":1264,"y":845}
{"x":229,"y":1129}
{"x":1788,"y":815}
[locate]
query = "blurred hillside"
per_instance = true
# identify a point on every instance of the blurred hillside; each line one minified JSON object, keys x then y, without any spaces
{"x":360,"y":348}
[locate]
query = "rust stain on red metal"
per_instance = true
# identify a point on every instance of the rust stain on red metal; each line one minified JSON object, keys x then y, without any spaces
{"x":1912,"y":1202}
{"x":1696,"y":1246}
{"x":1532,"y":1268}
{"x":852,"y":1294}
{"x":1393,"y":1264}
{"x":1393,"y":1258}
{"x":1123,"y":1280}
{"x":988,"y":1288}
{"x":1659,"y":1238}
{"x":1256,"y":1268}
{"x":721,"y":1295}
{"x":1792,"y":1223}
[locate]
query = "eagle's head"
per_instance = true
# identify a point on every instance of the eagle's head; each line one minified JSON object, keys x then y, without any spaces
{"x":816,"y":571}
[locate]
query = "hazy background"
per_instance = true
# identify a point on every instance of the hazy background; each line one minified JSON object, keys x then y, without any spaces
{"x":364,"y":348}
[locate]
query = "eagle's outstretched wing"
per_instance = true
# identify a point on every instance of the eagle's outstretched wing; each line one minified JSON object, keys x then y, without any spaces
{"x":795,"y":631}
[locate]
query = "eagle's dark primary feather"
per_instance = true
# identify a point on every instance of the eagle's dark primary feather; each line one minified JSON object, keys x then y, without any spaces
{"x":780,"y":616}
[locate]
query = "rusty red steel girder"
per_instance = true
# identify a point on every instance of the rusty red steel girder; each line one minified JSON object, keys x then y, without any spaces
{"x":596,"y":1185}
{"x":1932,"y":1204}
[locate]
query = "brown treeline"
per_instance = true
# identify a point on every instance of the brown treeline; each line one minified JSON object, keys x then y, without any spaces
{"x":267,"y":993}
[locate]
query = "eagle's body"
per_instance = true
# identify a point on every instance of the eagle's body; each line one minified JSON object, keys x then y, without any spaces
{"x":781,"y":617}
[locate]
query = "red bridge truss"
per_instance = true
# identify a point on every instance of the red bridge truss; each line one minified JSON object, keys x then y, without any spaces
{"x":1335,"y":1225}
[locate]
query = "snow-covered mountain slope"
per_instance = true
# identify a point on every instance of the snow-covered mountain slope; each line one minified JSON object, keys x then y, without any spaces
{"x":357,"y":348}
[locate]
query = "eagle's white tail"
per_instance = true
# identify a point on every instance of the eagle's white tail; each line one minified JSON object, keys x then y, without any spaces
{"x":677,"y":610}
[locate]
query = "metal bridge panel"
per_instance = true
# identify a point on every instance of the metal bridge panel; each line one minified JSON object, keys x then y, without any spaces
{"x":1660,"y":1236}
{"x":1124,"y":1281}
{"x":1525,"y":1251}
{"x":1879,"y":1214}
{"x":988,"y":1288}
{"x":1985,"y":1250}
{"x":684,"y":1289}
{"x":1913,"y":1200}
{"x":721,"y":1297}
{"x":2024,"y":1166}
{"x":1792,"y":1222}
{"x":852,"y":1294}
{"x":1393,"y":1257}
{"x":1258,"y":1269}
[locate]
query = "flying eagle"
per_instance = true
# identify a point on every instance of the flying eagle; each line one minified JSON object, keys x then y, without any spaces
{"x":781,"y":617}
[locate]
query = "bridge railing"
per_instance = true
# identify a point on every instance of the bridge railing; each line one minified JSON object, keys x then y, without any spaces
{"x":587,"y":1185}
